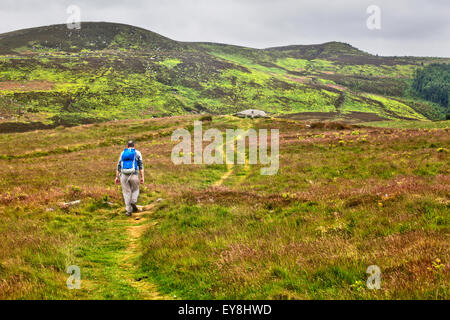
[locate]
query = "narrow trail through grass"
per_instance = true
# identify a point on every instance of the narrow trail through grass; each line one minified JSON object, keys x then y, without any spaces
{"x":146,"y":290}
{"x":231,"y":167}
{"x":110,"y":260}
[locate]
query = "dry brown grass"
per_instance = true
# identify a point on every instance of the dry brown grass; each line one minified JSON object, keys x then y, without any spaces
{"x":344,"y":198}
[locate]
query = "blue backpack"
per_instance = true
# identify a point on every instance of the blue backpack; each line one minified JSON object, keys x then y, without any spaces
{"x":129,"y":164}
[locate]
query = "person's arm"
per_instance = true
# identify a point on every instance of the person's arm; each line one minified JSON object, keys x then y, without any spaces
{"x":117,"y":177}
{"x":119,"y":167}
{"x":140,"y":164}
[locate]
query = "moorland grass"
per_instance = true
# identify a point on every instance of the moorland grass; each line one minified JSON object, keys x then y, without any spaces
{"x":341,"y":201}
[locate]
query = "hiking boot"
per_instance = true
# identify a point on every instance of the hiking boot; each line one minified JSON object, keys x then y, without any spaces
{"x":133,"y":205}
{"x":128,"y":214}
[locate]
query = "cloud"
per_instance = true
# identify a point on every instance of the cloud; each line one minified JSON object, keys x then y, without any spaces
{"x":408,"y":27}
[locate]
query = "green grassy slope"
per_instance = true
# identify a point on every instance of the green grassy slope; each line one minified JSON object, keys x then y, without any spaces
{"x":53,"y":76}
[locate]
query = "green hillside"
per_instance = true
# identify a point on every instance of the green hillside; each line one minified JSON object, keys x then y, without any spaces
{"x":52,"y":76}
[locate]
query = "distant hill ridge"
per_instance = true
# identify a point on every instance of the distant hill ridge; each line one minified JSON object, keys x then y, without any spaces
{"x":102,"y":35}
{"x":53,"y":75}
{"x":109,"y":35}
{"x":92,"y":35}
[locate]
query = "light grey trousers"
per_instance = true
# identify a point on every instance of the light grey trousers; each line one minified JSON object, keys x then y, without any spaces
{"x":130,"y":189}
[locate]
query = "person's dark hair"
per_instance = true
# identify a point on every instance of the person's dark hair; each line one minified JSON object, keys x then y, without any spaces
{"x":130,"y":144}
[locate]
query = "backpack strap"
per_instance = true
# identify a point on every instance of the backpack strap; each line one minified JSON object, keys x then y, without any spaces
{"x":134,"y":160}
{"x":121,"y":161}
{"x":129,"y":176}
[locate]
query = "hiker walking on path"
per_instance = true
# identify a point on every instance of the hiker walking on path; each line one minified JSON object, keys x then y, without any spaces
{"x":129,"y":168}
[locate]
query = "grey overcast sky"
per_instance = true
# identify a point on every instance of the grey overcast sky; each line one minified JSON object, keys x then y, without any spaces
{"x":408,"y":27}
